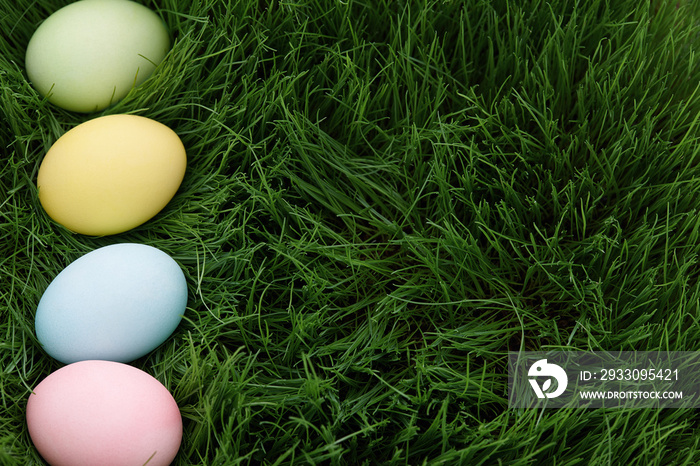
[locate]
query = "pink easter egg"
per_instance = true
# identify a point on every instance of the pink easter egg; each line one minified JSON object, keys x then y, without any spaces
{"x":106,"y":413}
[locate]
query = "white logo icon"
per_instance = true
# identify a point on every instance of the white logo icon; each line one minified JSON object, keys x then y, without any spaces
{"x":543,"y":369}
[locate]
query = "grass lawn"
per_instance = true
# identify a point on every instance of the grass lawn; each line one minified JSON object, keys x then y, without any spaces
{"x":382,"y":199}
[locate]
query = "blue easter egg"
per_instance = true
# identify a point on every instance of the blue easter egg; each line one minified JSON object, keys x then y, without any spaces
{"x":116,"y":303}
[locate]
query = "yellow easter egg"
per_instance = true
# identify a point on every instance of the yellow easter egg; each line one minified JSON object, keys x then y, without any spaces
{"x":111,"y":174}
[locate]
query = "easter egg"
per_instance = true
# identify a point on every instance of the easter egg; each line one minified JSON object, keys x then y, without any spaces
{"x":91,"y":53}
{"x":106,"y":413}
{"x":111,"y":174}
{"x":116,"y":303}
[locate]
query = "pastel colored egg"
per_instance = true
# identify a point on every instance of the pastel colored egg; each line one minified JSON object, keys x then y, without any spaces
{"x":91,"y":53}
{"x":116,"y":303}
{"x":103,"y":413}
{"x":111,"y":174}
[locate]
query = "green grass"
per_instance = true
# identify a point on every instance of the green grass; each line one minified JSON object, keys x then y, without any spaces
{"x":382,"y":199}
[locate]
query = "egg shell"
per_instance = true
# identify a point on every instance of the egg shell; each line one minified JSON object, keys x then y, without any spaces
{"x":116,"y":303}
{"x":111,"y":174}
{"x":103,"y":413}
{"x":89,"y":54}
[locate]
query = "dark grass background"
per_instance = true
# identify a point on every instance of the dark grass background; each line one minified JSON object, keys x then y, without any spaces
{"x":382,"y":199}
